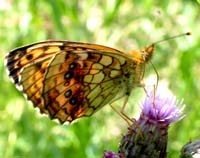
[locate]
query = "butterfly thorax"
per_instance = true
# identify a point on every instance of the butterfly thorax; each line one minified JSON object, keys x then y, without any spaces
{"x":132,"y":76}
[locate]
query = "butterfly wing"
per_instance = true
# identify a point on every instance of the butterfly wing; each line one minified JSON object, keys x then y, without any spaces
{"x":68,"y":80}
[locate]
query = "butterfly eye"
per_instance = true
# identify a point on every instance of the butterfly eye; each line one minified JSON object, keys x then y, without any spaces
{"x":73,"y":65}
{"x":73,"y":101}
{"x":69,"y":74}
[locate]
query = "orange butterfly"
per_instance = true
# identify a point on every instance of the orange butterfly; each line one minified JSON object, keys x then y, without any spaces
{"x":68,"y":80}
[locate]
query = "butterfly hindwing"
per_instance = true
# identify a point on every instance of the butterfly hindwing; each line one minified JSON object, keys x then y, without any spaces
{"x":76,"y":83}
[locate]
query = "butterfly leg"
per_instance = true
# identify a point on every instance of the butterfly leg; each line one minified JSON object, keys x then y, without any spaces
{"x":155,"y":86}
{"x":127,"y":118}
{"x":133,"y":120}
{"x":154,"y":93}
{"x":122,"y":116}
{"x":122,"y":113}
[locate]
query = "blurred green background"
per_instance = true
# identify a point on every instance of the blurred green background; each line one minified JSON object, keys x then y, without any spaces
{"x":124,"y":25}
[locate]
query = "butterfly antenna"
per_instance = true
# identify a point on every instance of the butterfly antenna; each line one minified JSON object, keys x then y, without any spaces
{"x":172,"y":37}
{"x":155,"y":87}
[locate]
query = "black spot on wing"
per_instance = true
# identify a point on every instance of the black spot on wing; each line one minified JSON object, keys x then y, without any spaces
{"x":29,"y":57}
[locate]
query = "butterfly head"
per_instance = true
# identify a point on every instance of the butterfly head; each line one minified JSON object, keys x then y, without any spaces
{"x":147,"y":52}
{"x":143,"y":55}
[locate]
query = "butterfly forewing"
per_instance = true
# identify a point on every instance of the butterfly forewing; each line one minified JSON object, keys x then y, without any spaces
{"x":27,"y":55}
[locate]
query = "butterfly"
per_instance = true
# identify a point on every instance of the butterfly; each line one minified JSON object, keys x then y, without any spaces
{"x":68,"y":80}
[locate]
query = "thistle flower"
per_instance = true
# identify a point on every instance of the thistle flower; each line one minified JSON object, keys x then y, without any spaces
{"x":158,"y":112}
{"x":162,"y":108}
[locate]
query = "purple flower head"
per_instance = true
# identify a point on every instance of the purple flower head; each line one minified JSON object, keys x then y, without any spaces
{"x":150,"y":137}
{"x":162,"y":107}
